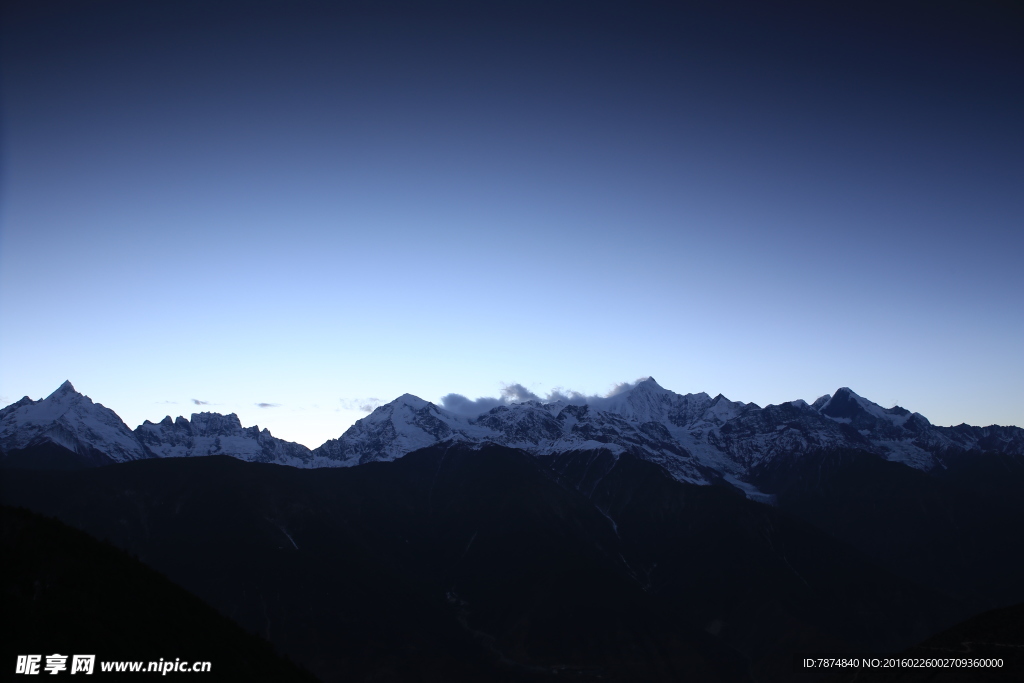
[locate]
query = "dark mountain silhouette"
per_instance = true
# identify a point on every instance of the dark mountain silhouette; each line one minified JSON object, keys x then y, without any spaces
{"x":455,"y":563}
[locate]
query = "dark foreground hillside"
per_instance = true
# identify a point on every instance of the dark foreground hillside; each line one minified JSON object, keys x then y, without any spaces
{"x":493,"y":565}
{"x":446,"y":565}
{"x":65,"y":592}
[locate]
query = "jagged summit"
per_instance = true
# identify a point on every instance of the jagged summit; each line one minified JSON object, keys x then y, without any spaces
{"x":208,"y":421}
{"x":644,"y":385}
{"x":848,"y":406}
{"x":64,"y":394}
{"x":209,"y":433}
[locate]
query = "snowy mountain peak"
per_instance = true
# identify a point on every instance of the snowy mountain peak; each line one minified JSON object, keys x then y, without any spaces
{"x":414,"y":402}
{"x":64,"y":395}
{"x":390,"y":431}
{"x":648,"y":384}
{"x":70,"y":420}
{"x":721,"y":409}
{"x":65,"y":388}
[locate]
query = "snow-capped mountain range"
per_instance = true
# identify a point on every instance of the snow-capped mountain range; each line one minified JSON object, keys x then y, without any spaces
{"x":694,"y":437}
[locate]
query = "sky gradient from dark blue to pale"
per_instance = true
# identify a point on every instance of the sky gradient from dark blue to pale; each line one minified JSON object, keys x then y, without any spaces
{"x":309,"y":205}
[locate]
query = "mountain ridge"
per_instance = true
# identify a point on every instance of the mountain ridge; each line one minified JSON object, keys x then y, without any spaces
{"x":694,"y":437}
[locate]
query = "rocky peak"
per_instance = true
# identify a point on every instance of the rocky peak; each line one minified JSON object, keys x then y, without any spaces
{"x":65,"y":388}
{"x":215,"y":423}
{"x":649,"y":384}
{"x":71,"y":420}
{"x":844,"y":405}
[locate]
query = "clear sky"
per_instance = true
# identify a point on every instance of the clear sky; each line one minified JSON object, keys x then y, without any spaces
{"x":309,"y":205}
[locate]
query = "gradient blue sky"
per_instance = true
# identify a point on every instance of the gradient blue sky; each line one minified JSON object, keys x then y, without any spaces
{"x":311,"y":204}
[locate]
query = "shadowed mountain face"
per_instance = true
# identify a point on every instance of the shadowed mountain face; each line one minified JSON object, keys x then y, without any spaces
{"x":950,"y":530}
{"x":492,"y":564}
{"x":763,"y":580}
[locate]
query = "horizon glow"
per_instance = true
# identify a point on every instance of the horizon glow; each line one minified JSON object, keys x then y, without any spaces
{"x":309,"y":207}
